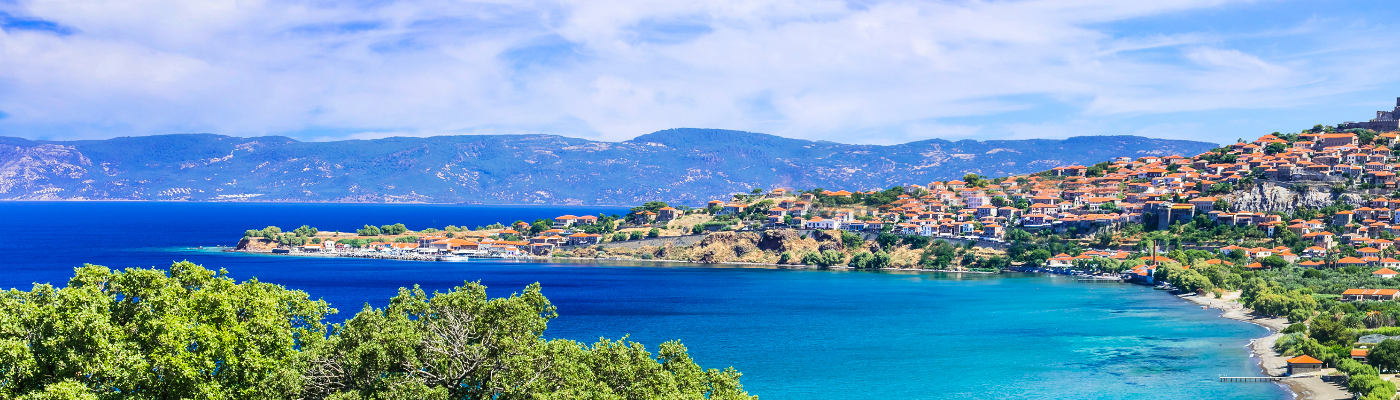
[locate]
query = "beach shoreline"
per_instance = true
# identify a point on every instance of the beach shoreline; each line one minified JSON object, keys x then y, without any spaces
{"x":1270,"y":362}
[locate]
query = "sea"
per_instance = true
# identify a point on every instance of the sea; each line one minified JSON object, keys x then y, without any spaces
{"x":793,"y":333}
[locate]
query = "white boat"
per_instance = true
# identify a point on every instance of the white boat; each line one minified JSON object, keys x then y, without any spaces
{"x":453,"y":258}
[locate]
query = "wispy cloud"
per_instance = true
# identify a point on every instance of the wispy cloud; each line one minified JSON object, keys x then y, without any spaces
{"x":874,"y":72}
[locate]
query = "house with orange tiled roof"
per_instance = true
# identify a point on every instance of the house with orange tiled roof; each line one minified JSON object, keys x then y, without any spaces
{"x":564,"y":221}
{"x":1386,"y":273}
{"x":1303,"y":364}
{"x":1369,"y":294}
{"x":1351,"y":262}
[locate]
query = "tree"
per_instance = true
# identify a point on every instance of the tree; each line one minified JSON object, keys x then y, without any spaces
{"x":1273,"y":262}
{"x":1385,"y":356}
{"x":1221,"y":204}
{"x":464,"y":345}
{"x":654,"y":233}
{"x":540,"y":225}
{"x":867,"y":260}
{"x":196,"y":333}
{"x":887,"y":240}
{"x":1328,"y":331}
{"x":368,"y":231}
{"x":141,"y":333}
{"x":824,"y":259}
{"x":395,"y":229}
{"x":851,"y":240}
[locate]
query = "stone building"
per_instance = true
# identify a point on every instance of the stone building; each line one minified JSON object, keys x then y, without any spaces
{"x":1384,"y":122}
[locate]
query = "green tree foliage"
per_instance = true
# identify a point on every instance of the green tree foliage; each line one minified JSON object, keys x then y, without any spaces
{"x":195,"y":333}
{"x":1273,"y":262}
{"x":824,"y":259}
{"x":143,"y":333}
{"x":938,"y":256}
{"x":1271,"y":299}
{"x":355,"y":242}
{"x":650,"y":206}
{"x":635,"y":235}
{"x":974,"y":180}
{"x":851,"y":240}
{"x":305,"y":231}
{"x":916,"y":241}
{"x":1385,"y":356}
{"x":368,"y":231}
{"x":654,"y":233}
{"x":395,"y":229}
{"x":540,"y":225}
{"x":1371,"y":387}
{"x":1328,"y":331}
{"x":867,"y":260}
{"x":269,"y":233}
{"x":883,"y":197}
{"x":887,"y":240}
{"x":464,"y":345}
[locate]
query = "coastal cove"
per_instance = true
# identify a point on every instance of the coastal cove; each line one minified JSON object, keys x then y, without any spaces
{"x":796,"y":334}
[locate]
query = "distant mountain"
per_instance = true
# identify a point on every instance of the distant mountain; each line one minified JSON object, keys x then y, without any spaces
{"x":687,"y":166}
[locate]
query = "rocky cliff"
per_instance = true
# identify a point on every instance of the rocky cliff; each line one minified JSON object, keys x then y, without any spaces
{"x":1268,"y":197}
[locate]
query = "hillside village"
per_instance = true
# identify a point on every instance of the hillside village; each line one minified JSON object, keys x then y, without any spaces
{"x":1104,"y":209}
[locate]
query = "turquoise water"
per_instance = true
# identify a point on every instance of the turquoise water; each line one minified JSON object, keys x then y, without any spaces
{"x":796,"y":334}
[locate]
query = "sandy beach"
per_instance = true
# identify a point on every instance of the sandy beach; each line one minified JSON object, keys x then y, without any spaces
{"x":1270,"y":361}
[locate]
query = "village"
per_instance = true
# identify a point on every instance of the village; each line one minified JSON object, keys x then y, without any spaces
{"x":1071,"y":201}
{"x":1173,"y":222}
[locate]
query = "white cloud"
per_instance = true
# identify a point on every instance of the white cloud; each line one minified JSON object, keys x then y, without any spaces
{"x":890,"y":71}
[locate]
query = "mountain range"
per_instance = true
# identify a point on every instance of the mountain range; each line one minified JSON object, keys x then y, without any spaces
{"x":684,"y":166}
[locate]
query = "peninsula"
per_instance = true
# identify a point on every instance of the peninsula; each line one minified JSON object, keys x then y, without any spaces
{"x":1294,"y":226}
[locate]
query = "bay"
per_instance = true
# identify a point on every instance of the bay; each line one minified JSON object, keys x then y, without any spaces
{"x":796,"y":334}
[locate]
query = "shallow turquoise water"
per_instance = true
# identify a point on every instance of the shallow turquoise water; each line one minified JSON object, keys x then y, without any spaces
{"x":796,"y":334}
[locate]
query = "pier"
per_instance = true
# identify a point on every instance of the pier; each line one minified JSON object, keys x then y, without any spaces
{"x":1252,"y":378}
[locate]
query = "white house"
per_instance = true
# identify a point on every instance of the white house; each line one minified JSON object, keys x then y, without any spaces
{"x":821,"y":223}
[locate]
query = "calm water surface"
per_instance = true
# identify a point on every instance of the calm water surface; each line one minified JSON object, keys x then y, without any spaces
{"x":796,"y":334}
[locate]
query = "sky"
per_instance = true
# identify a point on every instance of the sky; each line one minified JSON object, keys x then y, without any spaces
{"x":872,"y":72}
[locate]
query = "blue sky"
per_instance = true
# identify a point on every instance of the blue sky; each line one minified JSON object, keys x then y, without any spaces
{"x":846,"y":71}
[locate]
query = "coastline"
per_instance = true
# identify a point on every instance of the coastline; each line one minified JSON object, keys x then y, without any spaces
{"x":547,"y":258}
{"x":1270,"y":362}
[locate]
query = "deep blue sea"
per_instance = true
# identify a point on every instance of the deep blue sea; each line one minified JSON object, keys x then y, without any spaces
{"x":796,"y":334}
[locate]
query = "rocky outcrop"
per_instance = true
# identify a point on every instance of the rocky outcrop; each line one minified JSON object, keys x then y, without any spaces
{"x":1267,"y":197}
{"x":1355,"y":200}
{"x":779,"y":240}
{"x":257,"y":245}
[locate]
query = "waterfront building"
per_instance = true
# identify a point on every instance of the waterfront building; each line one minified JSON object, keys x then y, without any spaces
{"x":1303,"y":364}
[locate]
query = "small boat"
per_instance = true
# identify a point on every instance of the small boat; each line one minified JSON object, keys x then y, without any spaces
{"x":453,"y":258}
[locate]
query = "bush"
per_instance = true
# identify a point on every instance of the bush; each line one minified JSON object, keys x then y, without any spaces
{"x":824,"y":259}
{"x":1371,"y":386}
{"x":1295,"y":328}
{"x":1298,"y":315}
{"x":867,"y":260}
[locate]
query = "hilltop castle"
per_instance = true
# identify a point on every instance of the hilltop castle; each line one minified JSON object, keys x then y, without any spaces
{"x":1385,"y":121}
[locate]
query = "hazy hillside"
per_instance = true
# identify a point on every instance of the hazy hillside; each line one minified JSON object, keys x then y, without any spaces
{"x":679,"y":165}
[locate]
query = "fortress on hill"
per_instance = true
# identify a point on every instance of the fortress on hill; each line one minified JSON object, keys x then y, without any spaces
{"x":1385,"y":121}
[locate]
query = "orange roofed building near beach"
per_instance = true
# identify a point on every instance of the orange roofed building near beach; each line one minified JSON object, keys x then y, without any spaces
{"x":1303,"y":364}
{"x":1369,"y":294}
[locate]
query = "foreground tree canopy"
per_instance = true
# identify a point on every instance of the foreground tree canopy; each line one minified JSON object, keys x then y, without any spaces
{"x":196,"y":333}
